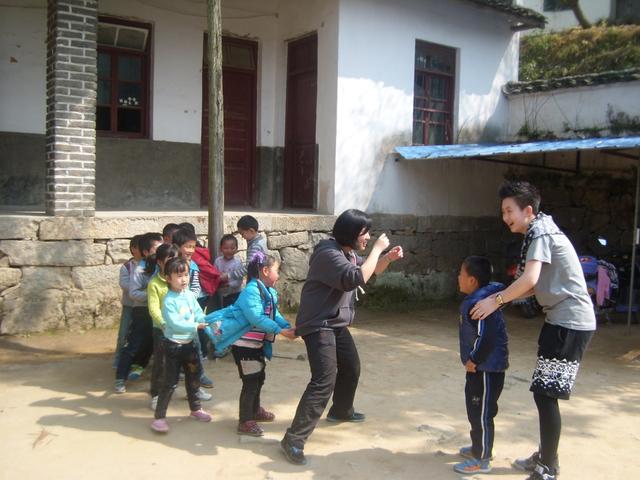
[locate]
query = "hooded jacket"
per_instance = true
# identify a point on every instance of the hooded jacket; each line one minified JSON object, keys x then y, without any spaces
{"x":248,"y":312}
{"x":484,"y":342}
{"x":329,"y":292}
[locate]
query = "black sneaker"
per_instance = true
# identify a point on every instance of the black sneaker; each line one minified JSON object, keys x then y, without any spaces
{"x":527,"y":464}
{"x":295,"y":455}
{"x":355,"y":417}
{"x":542,"y":472}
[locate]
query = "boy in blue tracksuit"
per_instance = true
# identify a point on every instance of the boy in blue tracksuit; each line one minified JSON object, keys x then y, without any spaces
{"x":484,"y":353}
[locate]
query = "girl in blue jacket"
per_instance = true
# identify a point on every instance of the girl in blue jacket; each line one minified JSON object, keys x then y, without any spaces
{"x":250,"y":326}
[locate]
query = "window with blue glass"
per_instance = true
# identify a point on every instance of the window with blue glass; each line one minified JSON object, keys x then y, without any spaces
{"x":123,"y":78}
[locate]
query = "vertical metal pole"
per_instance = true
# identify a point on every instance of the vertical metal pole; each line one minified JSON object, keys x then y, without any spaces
{"x":633,"y":246}
{"x":216,"y":126}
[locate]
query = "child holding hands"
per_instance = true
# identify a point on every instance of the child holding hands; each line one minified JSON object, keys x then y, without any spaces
{"x":250,"y":326}
{"x":183,"y":318}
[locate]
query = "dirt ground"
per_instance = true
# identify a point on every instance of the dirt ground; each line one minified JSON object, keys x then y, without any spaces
{"x":59,"y":418}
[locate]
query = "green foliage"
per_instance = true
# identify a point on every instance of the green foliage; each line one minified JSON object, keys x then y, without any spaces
{"x":579,"y":51}
{"x":622,"y":122}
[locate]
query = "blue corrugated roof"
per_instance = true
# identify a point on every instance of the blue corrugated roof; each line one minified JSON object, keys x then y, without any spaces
{"x":424,"y":152}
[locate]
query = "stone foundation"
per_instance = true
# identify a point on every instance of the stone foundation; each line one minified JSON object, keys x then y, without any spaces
{"x":62,"y":273}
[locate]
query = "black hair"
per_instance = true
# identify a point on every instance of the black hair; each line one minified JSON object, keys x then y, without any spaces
{"x":147,"y":240}
{"x":246,"y":222}
{"x":258,"y":262}
{"x":229,"y":238}
{"x":183,"y":235}
{"x":349,"y":226}
{"x":169,"y":228}
{"x":523,"y":193}
{"x":163,"y":252}
{"x":175,"y":265}
{"x":479,"y":268}
{"x":135,"y":243}
{"x":188,"y":226}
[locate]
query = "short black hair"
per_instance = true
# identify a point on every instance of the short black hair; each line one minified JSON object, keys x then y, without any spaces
{"x":169,"y":228}
{"x":349,"y":226}
{"x":246,"y":222}
{"x":480,"y":268}
{"x":135,"y":242}
{"x":146,"y":240}
{"x":175,"y":265}
{"x":163,"y":253}
{"x":188,"y":226}
{"x":523,"y":193}
{"x":183,"y":235}
{"x":229,"y":238}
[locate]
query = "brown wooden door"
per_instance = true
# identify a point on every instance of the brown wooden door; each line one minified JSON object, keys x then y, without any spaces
{"x":239,"y":84}
{"x":300,"y":131}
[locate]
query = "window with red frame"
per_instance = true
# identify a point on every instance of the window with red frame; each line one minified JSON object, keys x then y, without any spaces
{"x":123,"y":78}
{"x":433,"y":94}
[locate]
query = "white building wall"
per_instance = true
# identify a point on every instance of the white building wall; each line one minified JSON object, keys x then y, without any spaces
{"x":23,"y":36}
{"x":594,"y":10}
{"x":575,"y":108}
{"x":375,"y":104}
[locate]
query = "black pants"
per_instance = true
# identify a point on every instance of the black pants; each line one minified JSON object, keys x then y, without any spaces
{"x":139,"y":344}
{"x":158,"y":361}
{"x":251,"y":366}
{"x":335,"y":367}
{"x":482,"y":391}
{"x":178,"y":356}
{"x":550,"y":427}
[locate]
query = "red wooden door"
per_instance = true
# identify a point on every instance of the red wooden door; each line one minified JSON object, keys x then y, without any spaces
{"x":300,"y":130}
{"x":239,"y":84}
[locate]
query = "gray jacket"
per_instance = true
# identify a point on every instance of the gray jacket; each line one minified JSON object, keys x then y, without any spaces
{"x":329,"y":293}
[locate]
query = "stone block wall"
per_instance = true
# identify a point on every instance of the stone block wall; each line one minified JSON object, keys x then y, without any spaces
{"x":62,"y":272}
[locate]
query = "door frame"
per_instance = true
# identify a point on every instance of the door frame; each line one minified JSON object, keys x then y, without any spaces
{"x":288,"y":177}
{"x":204,"y":180}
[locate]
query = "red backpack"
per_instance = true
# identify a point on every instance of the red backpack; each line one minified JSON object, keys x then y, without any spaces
{"x":209,"y":275}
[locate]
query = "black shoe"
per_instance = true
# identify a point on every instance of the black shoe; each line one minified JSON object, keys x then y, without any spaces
{"x":542,"y":472}
{"x":355,"y":417}
{"x":295,"y":455}
{"x":529,"y":464}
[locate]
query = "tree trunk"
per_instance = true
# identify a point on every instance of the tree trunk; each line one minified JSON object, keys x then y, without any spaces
{"x":216,"y":126}
{"x":577,"y":11}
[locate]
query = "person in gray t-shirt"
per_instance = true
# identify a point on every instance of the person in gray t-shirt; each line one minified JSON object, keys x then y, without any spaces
{"x":549,"y":269}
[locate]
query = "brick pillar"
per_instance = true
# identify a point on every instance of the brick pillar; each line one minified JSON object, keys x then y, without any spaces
{"x":71,"y":107}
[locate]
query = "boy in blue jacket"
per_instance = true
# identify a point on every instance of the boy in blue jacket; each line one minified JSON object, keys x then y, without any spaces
{"x":484,"y":353}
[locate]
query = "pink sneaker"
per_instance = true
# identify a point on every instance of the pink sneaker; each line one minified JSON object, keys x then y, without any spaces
{"x":160,"y":425}
{"x":201,"y":416}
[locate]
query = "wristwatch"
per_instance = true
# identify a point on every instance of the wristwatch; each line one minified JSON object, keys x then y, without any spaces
{"x":499,"y":300}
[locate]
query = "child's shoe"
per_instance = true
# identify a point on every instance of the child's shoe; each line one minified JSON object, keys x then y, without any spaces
{"x":120,"y":387}
{"x":263,"y":415}
{"x":205,"y":381}
{"x":473,"y":465}
{"x":154,"y":403}
{"x":201,"y":395}
{"x":251,"y":428}
{"x":160,"y":425}
{"x":201,"y":416}
{"x":467,"y":452}
{"x":136,"y":372}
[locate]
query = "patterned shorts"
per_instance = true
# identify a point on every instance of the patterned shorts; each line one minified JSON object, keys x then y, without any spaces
{"x":560,"y":351}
